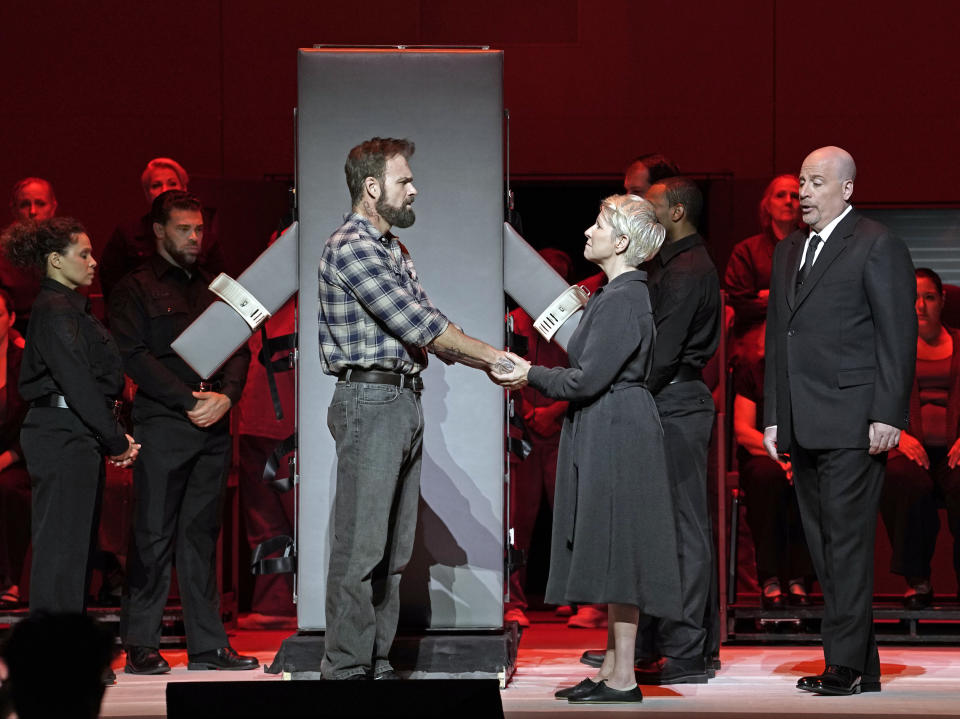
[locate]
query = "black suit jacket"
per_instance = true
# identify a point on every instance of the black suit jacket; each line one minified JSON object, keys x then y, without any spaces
{"x":841,"y":348}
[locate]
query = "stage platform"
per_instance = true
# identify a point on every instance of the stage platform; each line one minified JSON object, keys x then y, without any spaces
{"x":755,"y":681}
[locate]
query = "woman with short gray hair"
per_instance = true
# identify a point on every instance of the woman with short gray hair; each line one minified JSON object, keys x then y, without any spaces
{"x":614,"y":539}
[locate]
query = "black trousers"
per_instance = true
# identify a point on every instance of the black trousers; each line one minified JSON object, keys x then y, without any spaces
{"x":67,"y":475}
{"x":179,"y":480}
{"x":14,"y":524}
{"x":839,"y":494}
{"x":686,"y":414}
{"x":908,"y":506}
{"x":774,"y":518}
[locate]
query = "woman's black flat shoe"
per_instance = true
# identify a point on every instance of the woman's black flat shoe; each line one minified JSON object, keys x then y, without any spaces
{"x":578,"y":690}
{"x":602,"y":694}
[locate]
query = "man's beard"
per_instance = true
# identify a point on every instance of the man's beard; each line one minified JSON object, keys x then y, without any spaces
{"x":401,"y":217}
{"x":185,"y":260}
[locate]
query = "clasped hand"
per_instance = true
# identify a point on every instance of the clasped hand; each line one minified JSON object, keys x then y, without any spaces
{"x":125,"y":459}
{"x":210,"y":407}
{"x":515,"y":379}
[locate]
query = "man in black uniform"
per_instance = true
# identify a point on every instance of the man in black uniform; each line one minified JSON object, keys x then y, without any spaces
{"x":179,"y":481}
{"x":685,"y":293}
{"x":132,"y":242}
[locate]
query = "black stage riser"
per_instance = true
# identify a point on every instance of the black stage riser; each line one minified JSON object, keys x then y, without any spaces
{"x":327,"y":699}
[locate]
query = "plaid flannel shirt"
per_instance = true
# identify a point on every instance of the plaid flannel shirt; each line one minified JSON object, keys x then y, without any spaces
{"x":373,"y":312}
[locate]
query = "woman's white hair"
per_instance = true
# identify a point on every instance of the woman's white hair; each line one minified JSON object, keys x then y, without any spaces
{"x":635,"y":218}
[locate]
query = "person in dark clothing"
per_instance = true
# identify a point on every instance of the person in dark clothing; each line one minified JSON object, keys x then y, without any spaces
{"x":183,"y":421}
{"x":747,"y":278}
{"x":14,"y":479}
{"x":27,"y":690}
{"x":70,"y":376}
{"x":647,"y":170}
{"x":685,"y":292}
{"x":841,"y":348}
{"x":133,"y":243}
{"x":614,"y":538}
{"x":926,"y":463}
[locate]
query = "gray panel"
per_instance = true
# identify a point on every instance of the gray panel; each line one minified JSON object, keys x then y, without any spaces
{"x":532,"y":282}
{"x":450,"y":105}
{"x":219,"y":331}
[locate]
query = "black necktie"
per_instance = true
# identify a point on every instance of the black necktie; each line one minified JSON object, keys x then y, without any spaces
{"x":808,"y":260}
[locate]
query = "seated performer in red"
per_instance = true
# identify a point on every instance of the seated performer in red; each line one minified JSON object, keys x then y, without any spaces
{"x":924,"y":467}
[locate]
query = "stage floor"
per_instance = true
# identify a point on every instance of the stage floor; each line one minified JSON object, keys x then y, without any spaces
{"x":754,"y":682}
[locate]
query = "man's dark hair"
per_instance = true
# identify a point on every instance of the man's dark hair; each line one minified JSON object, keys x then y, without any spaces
{"x":659,"y":166}
{"x":684,"y":191}
{"x":166,"y":202}
{"x":30,"y":645}
{"x":929,"y":274}
{"x":369,"y":159}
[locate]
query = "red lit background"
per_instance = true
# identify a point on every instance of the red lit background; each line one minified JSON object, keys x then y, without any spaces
{"x":91,"y":91}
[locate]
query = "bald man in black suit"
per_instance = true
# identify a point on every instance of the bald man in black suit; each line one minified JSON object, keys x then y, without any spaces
{"x":841,"y":351}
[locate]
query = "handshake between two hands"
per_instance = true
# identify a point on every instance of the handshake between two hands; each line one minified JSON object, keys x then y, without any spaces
{"x":509,"y":371}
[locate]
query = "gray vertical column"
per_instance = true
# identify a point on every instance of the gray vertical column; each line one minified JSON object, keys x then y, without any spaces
{"x":450,"y":104}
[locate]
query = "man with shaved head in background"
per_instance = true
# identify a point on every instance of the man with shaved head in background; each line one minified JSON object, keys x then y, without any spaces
{"x":841,"y":350}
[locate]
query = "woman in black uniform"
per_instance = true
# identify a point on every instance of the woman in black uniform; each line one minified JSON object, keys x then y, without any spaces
{"x":614,"y":537}
{"x":70,"y":376}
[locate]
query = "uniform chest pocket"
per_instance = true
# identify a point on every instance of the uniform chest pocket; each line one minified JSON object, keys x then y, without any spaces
{"x":103,"y":352}
{"x":166,"y":305}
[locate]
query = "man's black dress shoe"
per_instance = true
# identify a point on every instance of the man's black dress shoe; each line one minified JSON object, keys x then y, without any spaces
{"x":838,"y":680}
{"x":674,"y":671}
{"x":577,"y":690}
{"x":222,"y":658}
{"x":145,"y":660}
{"x":109,"y":677}
{"x":602,"y":694}
{"x":593,"y":657}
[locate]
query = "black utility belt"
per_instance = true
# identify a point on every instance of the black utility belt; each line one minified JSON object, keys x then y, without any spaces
{"x":58,"y":401}
{"x":686,"y":373}
{"x":372,"y":376}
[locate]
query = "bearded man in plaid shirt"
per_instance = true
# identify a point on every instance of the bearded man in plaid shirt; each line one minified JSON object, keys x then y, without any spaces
{"x":376,"y":326}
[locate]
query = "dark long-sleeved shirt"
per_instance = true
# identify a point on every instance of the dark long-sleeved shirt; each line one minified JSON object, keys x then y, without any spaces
{"x":69,"y":352}
{"x":149,"y":309}
{"x":748,"y":272}
{"x":685,"y":294}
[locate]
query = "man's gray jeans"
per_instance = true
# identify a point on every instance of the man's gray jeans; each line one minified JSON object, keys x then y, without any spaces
{"x":378,"y":430}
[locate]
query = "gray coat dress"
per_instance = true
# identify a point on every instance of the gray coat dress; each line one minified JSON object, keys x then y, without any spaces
{"x":614,"y":538}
